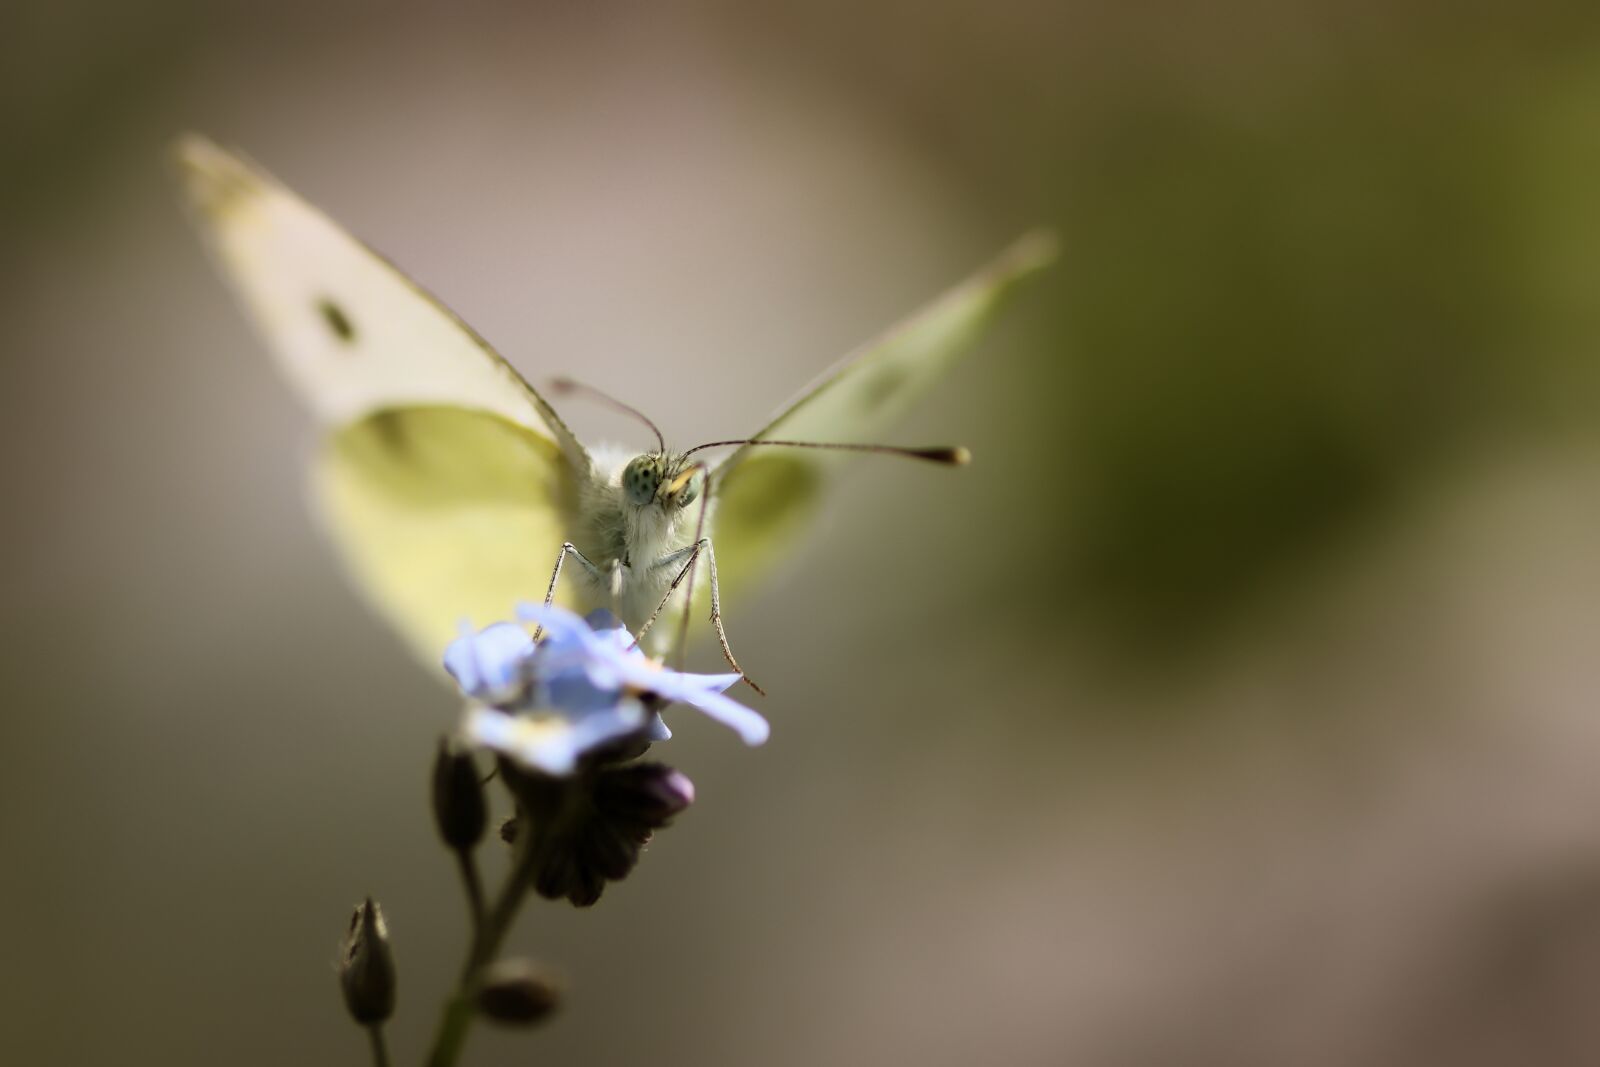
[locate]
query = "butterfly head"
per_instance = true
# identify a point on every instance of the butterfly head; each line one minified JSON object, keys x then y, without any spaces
{"x":660,"y":479}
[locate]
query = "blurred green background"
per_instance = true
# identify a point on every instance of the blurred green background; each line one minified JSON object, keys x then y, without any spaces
{"x":1235,"y":707}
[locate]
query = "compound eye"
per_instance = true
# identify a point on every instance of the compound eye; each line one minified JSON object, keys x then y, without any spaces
{"x":640,"y":479}
{"x":686,"y":495}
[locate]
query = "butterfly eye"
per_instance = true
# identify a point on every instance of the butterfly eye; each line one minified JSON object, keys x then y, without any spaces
{"x":640,"y":479}
{"x":686,"y":495}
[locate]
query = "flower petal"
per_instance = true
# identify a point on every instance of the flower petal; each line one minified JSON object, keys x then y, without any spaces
{"x":671,"y":685}
{"x":554,"y":620}
{"x":488,"y":665}
{"x":749,"y":725}
{"x":575,"y":693}
{"x":584,"y":691}
{"x":549,"y":742}
{"x":541,"y":742}
{"x":610,"y":725}
{"x":600,"y":620}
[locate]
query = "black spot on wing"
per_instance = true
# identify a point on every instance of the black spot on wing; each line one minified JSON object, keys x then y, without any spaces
{"x":337,"y":321}
{"x":881,"y":384}
{"x":389,"y":430}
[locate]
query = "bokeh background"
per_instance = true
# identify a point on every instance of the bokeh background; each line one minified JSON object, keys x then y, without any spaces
{"x":1237,"y":706}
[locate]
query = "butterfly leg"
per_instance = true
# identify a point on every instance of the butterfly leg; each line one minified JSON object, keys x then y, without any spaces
{"x":716,"y":618}
{"x":693,"y":555}
{"x":668,"y":560}
{"x":568,"y":548}
{"x":700,"y":538}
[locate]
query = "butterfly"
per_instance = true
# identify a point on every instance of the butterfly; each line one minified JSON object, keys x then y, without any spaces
{"x":450,"y":484}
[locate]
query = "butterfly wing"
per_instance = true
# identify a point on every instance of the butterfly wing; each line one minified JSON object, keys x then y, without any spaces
{"x":445,"y":479}
{"x":765,"y":496}
{"x":443,"y":514}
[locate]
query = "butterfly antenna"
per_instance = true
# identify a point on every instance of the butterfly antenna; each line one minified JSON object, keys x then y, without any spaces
{"x":566,"y":387}
{"x":952,"y":457}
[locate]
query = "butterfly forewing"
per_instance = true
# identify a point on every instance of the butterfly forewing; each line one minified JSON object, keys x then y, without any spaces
{"x":446,"y":481}
{"x":353,"y":333}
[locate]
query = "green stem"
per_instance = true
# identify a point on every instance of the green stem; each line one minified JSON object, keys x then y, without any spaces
{"x":473,"y":883}
{"x":452,"y":1032}
{"x":488,"y":935}
{"x":380,"y":1050}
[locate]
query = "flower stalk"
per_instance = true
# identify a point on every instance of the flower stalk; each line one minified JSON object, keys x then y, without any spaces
{"x":566,"y":719}
{"x":487,"y":938}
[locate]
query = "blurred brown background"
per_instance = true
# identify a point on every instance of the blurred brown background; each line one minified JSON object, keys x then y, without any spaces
{"x":1236,"y":707}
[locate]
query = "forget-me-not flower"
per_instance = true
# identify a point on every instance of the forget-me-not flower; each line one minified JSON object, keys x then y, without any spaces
{"x":585,"y":686}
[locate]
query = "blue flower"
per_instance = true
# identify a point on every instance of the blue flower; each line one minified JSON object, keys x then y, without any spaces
{"x":491,"y":666}
{"x":584,"y":686}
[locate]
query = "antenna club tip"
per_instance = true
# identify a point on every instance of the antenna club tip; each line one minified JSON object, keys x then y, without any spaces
{"x":956,"y":456}
{"x":1038,"y":247}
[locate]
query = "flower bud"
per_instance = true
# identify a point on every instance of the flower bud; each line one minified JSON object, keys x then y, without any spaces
{"x":516,"y":993}
{"x":607,"y":850}
{"x":366,"y":966}
{"x":646,"y":793}
{"x":584,"y":831}
{"x":459,"y":807}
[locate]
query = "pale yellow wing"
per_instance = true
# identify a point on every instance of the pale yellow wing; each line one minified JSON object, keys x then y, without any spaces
{"x":445,"y":479}
{"x":444,"y":514}
{"x":352,"y":332}
{"x":765,"y":496}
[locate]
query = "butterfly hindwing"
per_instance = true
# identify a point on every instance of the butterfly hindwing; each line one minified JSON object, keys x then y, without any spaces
{"x":443,"y":514}
{"x":765,"y":497}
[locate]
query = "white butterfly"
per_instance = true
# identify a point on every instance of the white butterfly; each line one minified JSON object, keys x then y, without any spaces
{"x":450,"y":484}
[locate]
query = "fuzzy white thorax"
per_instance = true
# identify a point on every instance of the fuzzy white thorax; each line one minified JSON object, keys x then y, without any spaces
{"x":626,"y":542}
